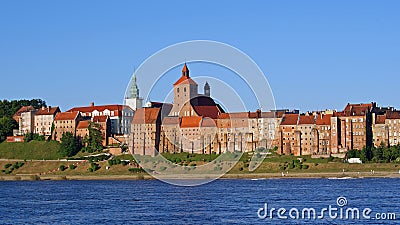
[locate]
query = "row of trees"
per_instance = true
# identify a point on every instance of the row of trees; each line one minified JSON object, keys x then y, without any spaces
{"x":379,"y":154}
{"x":8,"y":109}
{"x":71,"y":145}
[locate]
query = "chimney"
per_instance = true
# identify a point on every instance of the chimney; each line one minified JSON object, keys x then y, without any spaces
{"x":48,"y":109}
{"x":92,"y":104}
{"x":43,"y":107}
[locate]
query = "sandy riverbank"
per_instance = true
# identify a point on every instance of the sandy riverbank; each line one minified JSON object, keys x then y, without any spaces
{"x":28,"y":177}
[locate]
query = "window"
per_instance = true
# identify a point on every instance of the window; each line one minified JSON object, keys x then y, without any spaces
{"x":177,"y":90}
{"x":184,"y":89}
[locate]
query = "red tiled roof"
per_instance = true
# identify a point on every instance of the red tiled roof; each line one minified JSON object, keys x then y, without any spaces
{"x":22,"y":110}
{"x":336,"y":114}
{"x":357,"y":109}
{"x":349,"y":106}
{"x":238,"y":115}
{"x":268,"y":114}
{"x":380,"y":119}
{"x":66,"y":115}
{"x":393,"y":114}
{"x":83,"y":124}
{"x":290,"y":119}
{"x":48,"y":111}
{"x":208,"y":122}
{"x":184,"y":80}
{"x":170,"y":121}
{"x":191,"y":121}
{"x":146,"y":116}
{"x":324,"y":119}
{"x":306,"y":120}
{"x":207,"y":111}
{"x":100,"y":108}
{"x":100,"y":119}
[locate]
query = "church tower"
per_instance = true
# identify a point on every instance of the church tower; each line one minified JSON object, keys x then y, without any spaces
{"x":207,"y":89}
{"x":133,"y":100}
{"x":184,"y":90}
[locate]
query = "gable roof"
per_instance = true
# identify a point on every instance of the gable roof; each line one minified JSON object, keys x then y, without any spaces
{"x":66,"y":116}
{"x":324,"y":119}
{"x":100,"y":119}
{"x":238,"y":115}
{"x":146,"y":116}
{"x":357,"y":109}
{"x":171,"y":120}
{"x":290,"y":119}
{"x":393,"y":114}
{"x":208,"y":122}
{"x":191,"y":121}
{"x":207,"y":111}
{"x":22,"y":110}
{"x":84,"y":124}
{"x":48,"y":111}
{"x":306,"y":119}
{"x":100,"y":108}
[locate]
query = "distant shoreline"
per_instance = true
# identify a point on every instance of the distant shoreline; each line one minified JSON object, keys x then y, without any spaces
{"x":254,"y":176}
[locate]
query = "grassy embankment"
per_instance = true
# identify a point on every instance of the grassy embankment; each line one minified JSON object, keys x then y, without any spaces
{"x":31,"y":150}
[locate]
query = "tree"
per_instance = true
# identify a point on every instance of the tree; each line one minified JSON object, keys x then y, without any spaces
{"x":366,"y":154}
{"x":31,"y":136}
{"x":9,"y":108}
{"x":7,"y":124}
{"x":94,"y":141}
{"x":69,"y":145}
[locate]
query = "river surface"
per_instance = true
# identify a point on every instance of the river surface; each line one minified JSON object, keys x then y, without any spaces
{"x":220,"y":202}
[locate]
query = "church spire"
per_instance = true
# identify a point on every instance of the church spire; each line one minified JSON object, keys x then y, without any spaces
{"x":134,"y":90}
{"x":185,"y":71}
{"x":207,"y":89}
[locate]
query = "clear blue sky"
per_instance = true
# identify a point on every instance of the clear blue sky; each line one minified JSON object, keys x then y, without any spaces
{"x":315,"y":54}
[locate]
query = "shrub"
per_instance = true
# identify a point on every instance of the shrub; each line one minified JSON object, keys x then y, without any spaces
{"x":7,"y":165}
{"x":305,"y":167}
{"x":62,"y":168}
{"x":93,"y":167}
{"x":241,"y":169}
{"x":124,"y":163}
{"x":315,"y":164}
{"x":72,"y":167}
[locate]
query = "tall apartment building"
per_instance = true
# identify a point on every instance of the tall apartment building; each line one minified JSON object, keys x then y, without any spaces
{"x":43,"y":120}
{"x":25,"y":117}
